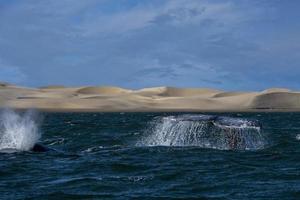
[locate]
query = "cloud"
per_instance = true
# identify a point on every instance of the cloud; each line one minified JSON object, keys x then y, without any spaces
{"x":191,"y":74}
{"x":193,"y":43}
{"x":174,"y":13}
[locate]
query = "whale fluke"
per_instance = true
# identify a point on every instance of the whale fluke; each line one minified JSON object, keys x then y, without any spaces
{"x":207,"y":131}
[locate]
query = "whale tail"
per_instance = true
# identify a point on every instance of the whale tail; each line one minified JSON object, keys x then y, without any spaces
{"x":207,"y":131}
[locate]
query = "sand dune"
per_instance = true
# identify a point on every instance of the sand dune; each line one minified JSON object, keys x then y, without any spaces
{"x":102,"y":90}
{"x":115,"y":99}
{"x":53,"y":87}
{"x":277,"y":100}
{"x":228,"y":94}
{"x":183,"y":92}
{"x":271,"y":90}
{"x":176,"y":92}
{"x":3,"y":84}
{"x":150,"y":92}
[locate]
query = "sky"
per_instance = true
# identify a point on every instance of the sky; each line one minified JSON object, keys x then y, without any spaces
{"x":224,"y":44}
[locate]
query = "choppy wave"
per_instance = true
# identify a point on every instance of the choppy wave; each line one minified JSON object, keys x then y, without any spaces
{"x":224,"y":133}
{"x":18,"y":131}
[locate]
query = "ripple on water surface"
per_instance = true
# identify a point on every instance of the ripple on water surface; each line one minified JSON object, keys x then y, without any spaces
{"x":139,"y":155}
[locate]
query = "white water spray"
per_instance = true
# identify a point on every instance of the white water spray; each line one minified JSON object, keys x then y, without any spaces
{"x":18,"y":131}
{"x":222,"y":133}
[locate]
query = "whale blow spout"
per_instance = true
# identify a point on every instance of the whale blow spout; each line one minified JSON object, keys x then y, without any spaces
{"x":207,"y":131}
{"x":19,"y":131}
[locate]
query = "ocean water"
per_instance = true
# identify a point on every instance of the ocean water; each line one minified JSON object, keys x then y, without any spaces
{"x":150,"y":156}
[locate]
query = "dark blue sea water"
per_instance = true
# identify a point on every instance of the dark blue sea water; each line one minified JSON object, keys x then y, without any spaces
{"x":122,"y":156}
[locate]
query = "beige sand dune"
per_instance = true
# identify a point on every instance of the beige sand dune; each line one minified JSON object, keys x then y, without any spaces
{"x":228,"y":94}
{"x":271,"y":90}
{"x":53,"y":87}
{"x":183,"y":92}
{"x":115,"y":99}
{"x":3,"y":84}
{"x":150,"y":92}
{"x":102,"y":90}
{"x":176,"y":92}
{"x":277,"y":100}
{"x":38,"y":95}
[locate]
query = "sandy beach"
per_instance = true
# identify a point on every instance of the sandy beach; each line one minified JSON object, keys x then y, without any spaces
{"x":115,"y":99}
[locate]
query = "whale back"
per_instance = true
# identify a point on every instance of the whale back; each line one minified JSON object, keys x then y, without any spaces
{"x":40,"y":148}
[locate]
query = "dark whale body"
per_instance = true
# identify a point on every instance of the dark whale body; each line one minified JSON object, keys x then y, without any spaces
{"x":40,"y":148}
{"x":36,"y":148}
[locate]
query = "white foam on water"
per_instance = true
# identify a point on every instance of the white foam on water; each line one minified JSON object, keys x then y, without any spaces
{"x":298,"y":137}
{"x":18,"y":131}
{"x":182,"y":131}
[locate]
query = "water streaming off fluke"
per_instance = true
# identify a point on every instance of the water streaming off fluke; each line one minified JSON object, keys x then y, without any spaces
{"x":207,"y":131}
